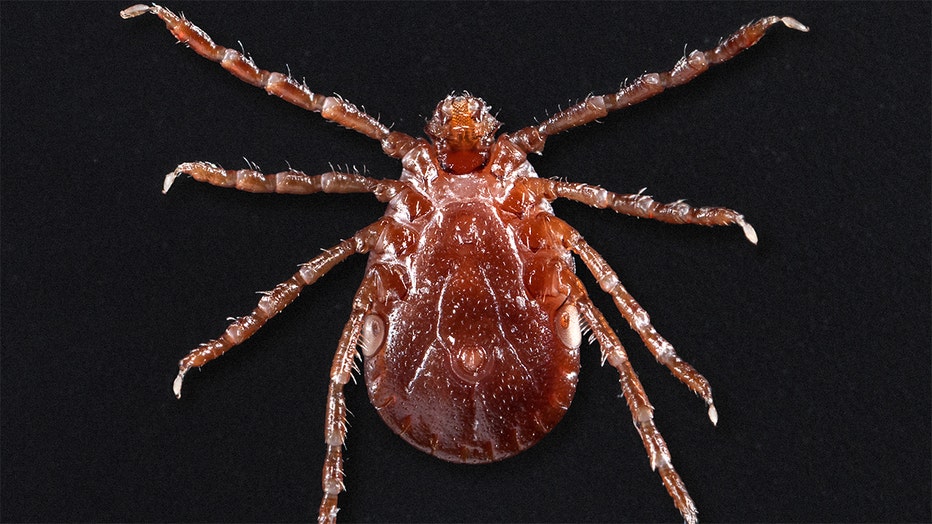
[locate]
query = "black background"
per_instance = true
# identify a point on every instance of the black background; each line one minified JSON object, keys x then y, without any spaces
{"x":816,"y":342}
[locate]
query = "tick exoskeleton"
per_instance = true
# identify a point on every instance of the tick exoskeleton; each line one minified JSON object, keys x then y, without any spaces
{"x":470,"y":315}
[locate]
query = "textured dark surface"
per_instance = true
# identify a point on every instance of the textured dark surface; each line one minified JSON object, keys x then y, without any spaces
{"x":816,"y":342}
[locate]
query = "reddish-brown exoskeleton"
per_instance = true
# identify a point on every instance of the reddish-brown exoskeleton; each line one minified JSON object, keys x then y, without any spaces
{"x":470,"y":316}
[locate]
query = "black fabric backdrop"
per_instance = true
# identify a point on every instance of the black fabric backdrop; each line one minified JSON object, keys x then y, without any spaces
{"x":816,"y":342}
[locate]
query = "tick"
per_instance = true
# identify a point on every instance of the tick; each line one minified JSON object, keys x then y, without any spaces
{"x":470,"y":315}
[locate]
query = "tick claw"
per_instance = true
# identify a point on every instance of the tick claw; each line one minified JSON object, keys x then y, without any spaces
{"x":713,"y":414}
{"x":176,"y":385}
{"x":169,"y":180}
{"x":134,"y":11}
{"x":748,"y":231}
{"x":793,"y":23}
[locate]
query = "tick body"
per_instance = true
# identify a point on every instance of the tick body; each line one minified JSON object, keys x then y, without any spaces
{"x":470,"y":315}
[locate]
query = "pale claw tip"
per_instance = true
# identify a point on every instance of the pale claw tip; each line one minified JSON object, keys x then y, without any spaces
{"x":134,"y":11}
{"x":169,"y":180}
{"x":713,"y":414}
{"x":748,"y":231}
{"x":176,"y":385}
{"x":793,"y":23}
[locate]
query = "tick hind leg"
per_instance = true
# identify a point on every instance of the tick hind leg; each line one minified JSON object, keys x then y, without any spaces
{"x":344,"y":364}
{"x":639,"y":321}
{"x":641,"y":410}
{"x":636,"y":316}
{"x":273,"y":302}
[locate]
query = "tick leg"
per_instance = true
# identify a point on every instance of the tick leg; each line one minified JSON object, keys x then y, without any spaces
{"x":275,"y":301}
{"x":636,"y":316}
{"x":291,"y":181}
{"x":344,"y":363}
{"x":643,"y":206}
{"x":532,"y":138}
{"x":641,"y":409}
{"x":332,"y":108}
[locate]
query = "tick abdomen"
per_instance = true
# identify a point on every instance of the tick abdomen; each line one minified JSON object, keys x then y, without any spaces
{"x":472,"y":369}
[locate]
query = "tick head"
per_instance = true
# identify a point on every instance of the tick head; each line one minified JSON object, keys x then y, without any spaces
{"x":463,"y":132}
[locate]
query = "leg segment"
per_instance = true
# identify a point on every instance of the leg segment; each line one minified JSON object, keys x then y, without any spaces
{"x":639,"y":320}
{"x":531,"y":139}
{"x":331,"y":108}
{"x":275,"y":301}
{"x":636,"y":316}
{"x":643,"y":206}
{"x":291,"y":181}
{"x":344,"y":363}
{"x":641,"y":410}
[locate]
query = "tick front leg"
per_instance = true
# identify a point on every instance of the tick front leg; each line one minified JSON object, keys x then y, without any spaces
{"x":641,"y":410}
{"x":332,"y":108}
{"x":531,"y":139}
{"x":273,"y":302}
{"x":290,"y":181}
{"x":643,"y":206}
